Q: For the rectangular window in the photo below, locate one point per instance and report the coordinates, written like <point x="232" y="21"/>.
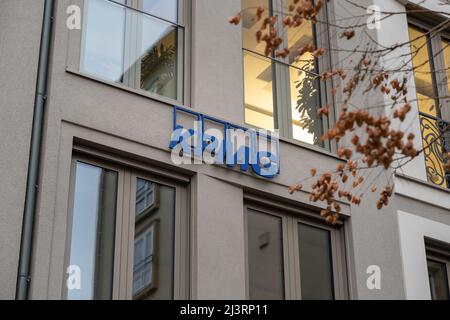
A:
<point x="293" y="258"/>
<point x="438" y="262"/>
<point x="138" y="44"/>
<point x="282" y="93"/>
<point x="429" y="59"/>
<point x="122" y="239"/>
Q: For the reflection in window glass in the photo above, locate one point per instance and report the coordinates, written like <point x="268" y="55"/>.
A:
<point x="250" y="25"/>
<point x="316" y="272"/>
<point x="166" y="9"/>
<point x="104" y="39"/>
<point x="145" y="195"/>
<point x="437" y="273"/>
<point x="158" y="58"/>
<point x="93" y="231"/>
<point x="153" y="259"/>
<point x="422" y="73"/>
<point x="258" y="83"/>
<point x="144" y="252"/>
<point x="265" y="257"/>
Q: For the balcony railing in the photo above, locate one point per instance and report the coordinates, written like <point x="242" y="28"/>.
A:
<point x="436" y="141"/>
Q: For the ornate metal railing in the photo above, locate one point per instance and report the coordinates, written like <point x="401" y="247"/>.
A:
<point x="436" y="141"/>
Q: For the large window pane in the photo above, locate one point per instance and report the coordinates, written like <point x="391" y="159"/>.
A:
<point x="166" y="9"/>
<point x="265" y="257"/>
<point x="258" y="83"/>
<point x="158" y="58"/>
<point x="153" y="261"/>
<point x="316" y="272"/>
<point x="93" y="231"/>
<point x="437" y="273"/>
<point x="422" y="72"/>
<point x="104" y="40"/>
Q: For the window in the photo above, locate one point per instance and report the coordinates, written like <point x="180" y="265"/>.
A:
<point x="438" y="262"/>
<point x="293" y="258"/>
<point x="138" y="44"/>
<point x="122" y="238"/>
<point x="283" y="94"/>
<point x="430" y="59"/>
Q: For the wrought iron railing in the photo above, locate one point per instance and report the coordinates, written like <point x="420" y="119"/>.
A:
<point x="436" y="141"/>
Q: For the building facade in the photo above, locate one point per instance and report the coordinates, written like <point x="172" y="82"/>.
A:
<point x="115" y="218"/>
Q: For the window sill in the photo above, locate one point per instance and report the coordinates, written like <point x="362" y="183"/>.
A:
<point x="141" y="93"/>
<point x="310" y="147"/>
<point x="422" y="191"/>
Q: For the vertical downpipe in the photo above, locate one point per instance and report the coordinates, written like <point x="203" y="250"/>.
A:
<point x="32" y="187"/>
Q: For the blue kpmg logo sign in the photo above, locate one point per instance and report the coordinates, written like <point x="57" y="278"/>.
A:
<point x="199" y="139"/>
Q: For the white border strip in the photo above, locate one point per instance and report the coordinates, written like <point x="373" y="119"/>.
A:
<point x="412" y="231"/>
<point x="422" y="192"/>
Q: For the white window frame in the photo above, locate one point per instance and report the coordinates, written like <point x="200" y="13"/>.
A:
<point x="75" y="51"/>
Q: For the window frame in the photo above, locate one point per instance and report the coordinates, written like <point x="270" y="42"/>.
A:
<point x="438" y="252"/>
<point x="281" y="83"/>
<point x="122" y="286"/>
<point x="75" y="51"/>
<point x="291" y="255"/>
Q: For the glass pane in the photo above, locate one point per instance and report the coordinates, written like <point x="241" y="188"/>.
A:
<point x="437" y="273"/>
<point x="145" y="195"/>
<point x="258" y="83"/>
<point x="93" y="232"/>
<point x="158" y="58"/>
<point x="103" y="40"/>
<point x="299" y="37"/>
<point x="422" y="72"/>
<point x="446" y="48"/>
<point x="250" y="25"/>
<point x="316" y="272"/>
<point x="166" y="9"/>
<point x="307" y="126"/>
<point x="153" y="261"/>
<point x="265" y="257"/>
<point x="305" y="97"/>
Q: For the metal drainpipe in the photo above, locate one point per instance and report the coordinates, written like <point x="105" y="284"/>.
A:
<point x="32" y="187"/>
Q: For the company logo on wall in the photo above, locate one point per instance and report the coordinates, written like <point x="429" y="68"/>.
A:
<point x="201" y="139"/>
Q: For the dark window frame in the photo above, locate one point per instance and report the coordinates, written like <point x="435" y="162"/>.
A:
<point x="439" y="252"/>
